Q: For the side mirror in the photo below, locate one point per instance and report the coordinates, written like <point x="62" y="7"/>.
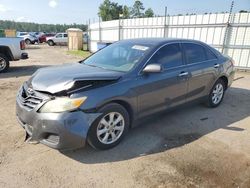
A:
<point x="152" y="68"/>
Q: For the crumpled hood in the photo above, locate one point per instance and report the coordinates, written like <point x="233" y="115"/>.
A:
<point x="60" y="78"/>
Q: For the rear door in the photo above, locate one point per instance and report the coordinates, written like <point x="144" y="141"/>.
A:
<point x="158" y="91"/>
<point x="65" y="38"/>
<point x="203" y="66"/>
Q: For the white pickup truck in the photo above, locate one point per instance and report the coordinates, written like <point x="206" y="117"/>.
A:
<point x="58" y="39"/>
<point x="11" y="49"/>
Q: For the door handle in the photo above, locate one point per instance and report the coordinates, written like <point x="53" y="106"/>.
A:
<point x="183" y="74"/>
<point x="216" y="65"/>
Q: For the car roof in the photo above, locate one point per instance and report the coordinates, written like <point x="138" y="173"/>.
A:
<point x="159" y="41"/>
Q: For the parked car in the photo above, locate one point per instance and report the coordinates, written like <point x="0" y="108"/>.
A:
<point x="100" y="98"/>
<point x="28" y="38"/>
<point x="11" y="49"/>
<point x="43" y="38"/>
<point x="36" y="34"/>
<point x="58" y="39"/>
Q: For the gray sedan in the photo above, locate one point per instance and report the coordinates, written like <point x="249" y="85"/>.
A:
<point x="99" y="99"/>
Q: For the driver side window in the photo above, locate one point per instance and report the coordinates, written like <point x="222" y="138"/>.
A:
<point x="59" y="36"/>
<point x="169" y="56"/>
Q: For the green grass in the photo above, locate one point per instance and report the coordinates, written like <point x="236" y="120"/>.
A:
<point x="79" y="53"/>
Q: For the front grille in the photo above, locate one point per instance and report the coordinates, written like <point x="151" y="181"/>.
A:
<point x="29" y="100"/>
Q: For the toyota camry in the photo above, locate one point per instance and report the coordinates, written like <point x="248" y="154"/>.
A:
<point x="99" y="99"/>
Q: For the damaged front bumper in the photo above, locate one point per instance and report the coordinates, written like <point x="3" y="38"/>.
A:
<point x="67" y="130"/>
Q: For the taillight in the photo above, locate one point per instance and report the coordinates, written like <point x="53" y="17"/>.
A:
<point x="22" y="45"/>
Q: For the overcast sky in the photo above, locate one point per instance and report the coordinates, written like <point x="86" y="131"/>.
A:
<point x="79" y="11"/>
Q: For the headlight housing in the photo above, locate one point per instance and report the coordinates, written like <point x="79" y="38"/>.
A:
<point x="62" y="105"/>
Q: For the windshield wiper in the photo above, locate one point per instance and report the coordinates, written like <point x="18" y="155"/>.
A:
<point x="90" y="65"/>
<point x="103" y="68"/>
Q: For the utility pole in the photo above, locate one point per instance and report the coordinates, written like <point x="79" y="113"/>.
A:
<point x="165" y="23"/>
<point x="100" y="31"/>
<point x="89" y="37"/>
<point x="228" y="30"/>
<point x="120" y="27"/>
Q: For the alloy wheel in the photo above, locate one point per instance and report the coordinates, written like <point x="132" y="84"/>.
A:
<point x="110" y="128"/>
<point x="28" y="42"/>
<point x="2" y="64"/>
<point x="217" y="93"/>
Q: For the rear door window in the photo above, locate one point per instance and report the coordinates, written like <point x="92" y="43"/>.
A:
<point x="169" y="56"/>
<point x="194" y="53"/>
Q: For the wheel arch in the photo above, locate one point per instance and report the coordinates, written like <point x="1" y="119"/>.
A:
<point x="51" y="40"/>
<point x="225" y="80"/>
<point x="7" y="52"/>
<point x="124" y="104"/>
<point x="27" y="39"/>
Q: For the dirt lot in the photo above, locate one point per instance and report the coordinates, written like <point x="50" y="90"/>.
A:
<point x="191" y="147"/>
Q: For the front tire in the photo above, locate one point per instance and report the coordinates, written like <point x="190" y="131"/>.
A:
<point x="51" y="43"/>
<point x="216" y="94"/>
<point x="4" y="63"/>
<point x="109" y="129"/>
<point x="28" y="41"/>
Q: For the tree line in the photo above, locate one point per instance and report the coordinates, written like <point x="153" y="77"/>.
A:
<point x="111" y="11"/>
<point x="108" y="10"/>
<point x="31" y="27"/>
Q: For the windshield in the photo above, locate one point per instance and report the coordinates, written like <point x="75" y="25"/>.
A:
<point x="22" y="34"/>
<point x="120" y="56"/>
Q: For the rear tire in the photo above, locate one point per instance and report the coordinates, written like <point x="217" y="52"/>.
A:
<point x="4" y="63"/>
<point x="109" y="129"/>
<point x="216" y="94"/>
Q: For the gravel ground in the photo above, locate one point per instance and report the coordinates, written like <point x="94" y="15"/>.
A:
<point x="191" y="147"/>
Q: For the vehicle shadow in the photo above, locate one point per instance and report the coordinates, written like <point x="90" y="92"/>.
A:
<point x="173" y="129"/>
<point x="18" y="71"/>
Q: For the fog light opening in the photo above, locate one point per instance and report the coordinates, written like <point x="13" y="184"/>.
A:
<point x="52" y="138"/>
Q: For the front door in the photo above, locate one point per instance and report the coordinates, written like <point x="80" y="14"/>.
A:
<point x="168" y="88"/>
<point x="58" y="38"/>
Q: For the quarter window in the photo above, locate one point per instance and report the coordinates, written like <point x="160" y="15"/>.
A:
<point x="210" y="55"/>
<point x="168" y="56"/>
<point x="59" y="36"/>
